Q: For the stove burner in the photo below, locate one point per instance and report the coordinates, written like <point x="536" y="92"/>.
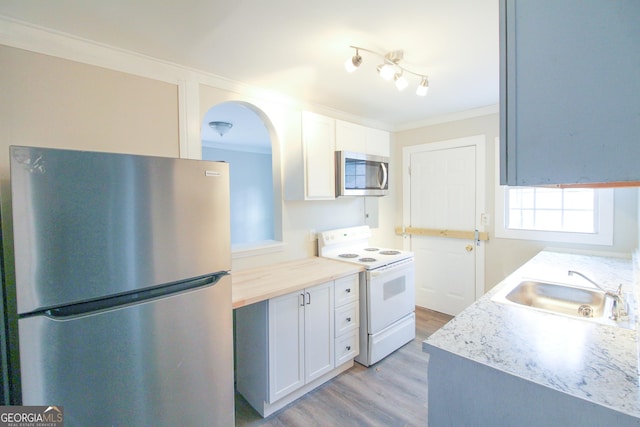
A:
<point x="367" y="260"/>
<point x="371" y="249"/>
<point x="390" y="252"/>
<point x="348" y="255"/>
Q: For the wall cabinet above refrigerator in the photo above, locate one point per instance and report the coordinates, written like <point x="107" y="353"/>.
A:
<point x="569" y="92"/>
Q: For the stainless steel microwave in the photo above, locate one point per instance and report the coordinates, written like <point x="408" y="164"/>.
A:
<point x="359" y="174"/>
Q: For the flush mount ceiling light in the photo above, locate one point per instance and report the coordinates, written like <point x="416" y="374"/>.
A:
<point x="389" y="69"/>
<point x="221" y="127"/>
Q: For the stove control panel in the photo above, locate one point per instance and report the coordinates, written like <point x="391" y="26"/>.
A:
<point x="345" y="235"/>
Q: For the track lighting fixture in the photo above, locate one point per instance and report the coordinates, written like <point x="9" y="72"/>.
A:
<point x="389" y="69"/>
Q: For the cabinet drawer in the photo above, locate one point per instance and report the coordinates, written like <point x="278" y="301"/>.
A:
<point x="346" y="318"/>
<point x="346" y="289"/>
<point x="347" y="347"/>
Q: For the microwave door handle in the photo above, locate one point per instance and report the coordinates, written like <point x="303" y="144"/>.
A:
<point x="382" y="183"/>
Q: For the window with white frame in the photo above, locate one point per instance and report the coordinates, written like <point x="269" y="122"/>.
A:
<point x="563" y="215"/>
<point x="552" y="209"/>
<point x="569" y="215"/>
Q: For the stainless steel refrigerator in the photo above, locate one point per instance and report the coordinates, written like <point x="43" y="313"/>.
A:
<point x="123" y="292"/>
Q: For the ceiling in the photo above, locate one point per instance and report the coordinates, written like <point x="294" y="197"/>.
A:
<point x="298" y="48"/>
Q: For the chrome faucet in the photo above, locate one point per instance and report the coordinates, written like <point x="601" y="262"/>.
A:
<point x="619" y="308"/>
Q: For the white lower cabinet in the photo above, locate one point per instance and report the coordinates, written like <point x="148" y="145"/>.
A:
<point x="287" y="346"/>
<point x="300" y="339"/>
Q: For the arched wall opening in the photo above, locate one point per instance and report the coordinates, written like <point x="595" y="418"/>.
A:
<point x="251" y="148"/>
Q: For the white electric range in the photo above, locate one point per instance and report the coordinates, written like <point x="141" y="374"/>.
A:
<point x="387" y="290"/>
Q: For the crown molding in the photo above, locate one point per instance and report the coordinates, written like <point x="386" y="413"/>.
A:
<point x="27" y="36"/>
<point x="462" y="115"/>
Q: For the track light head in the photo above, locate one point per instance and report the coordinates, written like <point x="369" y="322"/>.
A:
<point x="401" y="82"/>
<point x="386" y="71"/>
<point x="353" y="63"/>
<point x="423" y="87"/>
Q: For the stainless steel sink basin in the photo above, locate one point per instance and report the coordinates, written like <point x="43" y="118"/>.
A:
<point x="584" y="303"/>
<point x="559" y="298"/>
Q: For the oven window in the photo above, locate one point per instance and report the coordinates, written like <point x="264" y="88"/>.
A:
<point x="393" y="287"/>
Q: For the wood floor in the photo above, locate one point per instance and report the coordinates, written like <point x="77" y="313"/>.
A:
<point x="392" y="392"/>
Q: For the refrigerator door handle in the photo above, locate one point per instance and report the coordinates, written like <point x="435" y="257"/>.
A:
<point x="129" y="298"/>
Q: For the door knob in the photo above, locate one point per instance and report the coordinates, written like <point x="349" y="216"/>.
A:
<point x="469" y="247"/>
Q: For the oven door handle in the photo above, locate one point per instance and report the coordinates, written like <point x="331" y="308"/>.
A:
<point x="390" y="268"/>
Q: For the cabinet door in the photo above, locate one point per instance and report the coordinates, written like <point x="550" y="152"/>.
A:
<point x="569" y="91"/>
<point x="286" y="345"/>
<point x="319" y="325"/>
<point x="318" y="136"/>
<point x="350" y="137"/>
<point x="377" y="142"/>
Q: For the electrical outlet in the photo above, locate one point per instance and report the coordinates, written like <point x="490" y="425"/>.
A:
<point x="484" y="219"/>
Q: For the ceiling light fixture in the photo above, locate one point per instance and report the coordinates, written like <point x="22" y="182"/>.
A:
<point x="221" y="127"/>
<point x="389" y="69"/>
<point x="353" y="63"/>
<point x="401" y="82"/>
<point x="423" y="87"/>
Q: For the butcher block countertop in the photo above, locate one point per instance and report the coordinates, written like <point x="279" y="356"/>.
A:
<point x="263" y="283"/>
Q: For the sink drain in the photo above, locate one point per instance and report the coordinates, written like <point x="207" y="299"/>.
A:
<point x="585" y="310"/>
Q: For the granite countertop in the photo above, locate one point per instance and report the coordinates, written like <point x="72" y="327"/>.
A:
<point x="591" y="361"/>
<point x="262" y="283"/>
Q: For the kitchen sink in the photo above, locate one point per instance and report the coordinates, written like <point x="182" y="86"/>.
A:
<point x="573" y="301"/>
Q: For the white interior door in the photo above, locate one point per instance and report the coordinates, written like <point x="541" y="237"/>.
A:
<point x="444" y="190"/>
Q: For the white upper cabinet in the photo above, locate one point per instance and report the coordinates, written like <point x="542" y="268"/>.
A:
<point x="310" y="158"/>
<point x="309" y="155"/>
<point x="361" y="139"/>
<point x="319" y="142"/>
<point x="569" y="92"/>
<point x="350" y="137"/>
<point x="377" y="142"/>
